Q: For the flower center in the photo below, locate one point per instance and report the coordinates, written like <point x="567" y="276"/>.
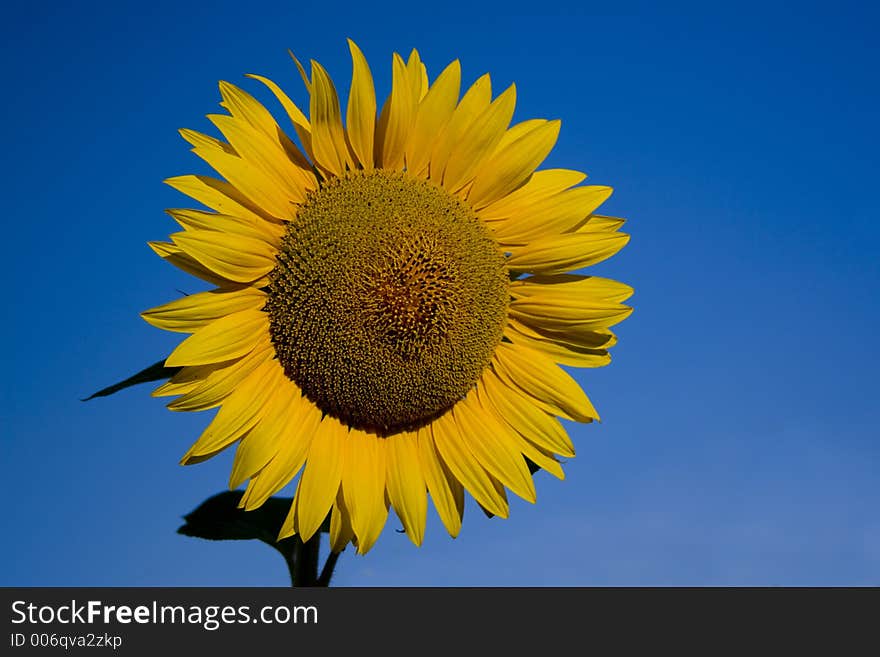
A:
<point x="387" y="300"/>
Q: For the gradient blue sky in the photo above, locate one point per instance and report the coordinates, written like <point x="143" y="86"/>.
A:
<point x="739" y="443"/>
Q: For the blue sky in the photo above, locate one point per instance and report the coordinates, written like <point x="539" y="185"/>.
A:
<point x="739" y="442"/>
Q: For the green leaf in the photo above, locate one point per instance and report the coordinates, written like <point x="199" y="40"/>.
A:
<point x="220" y="519"/>
<point x="155" y="372"/>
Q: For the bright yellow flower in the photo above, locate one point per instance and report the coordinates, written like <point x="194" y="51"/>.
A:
<point x="391" y="301"/>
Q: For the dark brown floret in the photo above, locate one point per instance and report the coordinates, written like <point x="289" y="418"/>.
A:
<point x="387" y="301"/>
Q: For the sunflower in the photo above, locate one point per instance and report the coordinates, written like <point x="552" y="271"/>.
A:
<point x="392" y="300"/>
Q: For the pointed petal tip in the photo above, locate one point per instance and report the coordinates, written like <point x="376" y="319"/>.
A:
<point x="236" y="479"/>
<point x="306" y="534"/>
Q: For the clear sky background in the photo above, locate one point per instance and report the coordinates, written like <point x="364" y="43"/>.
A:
<point x="739" y="442"/>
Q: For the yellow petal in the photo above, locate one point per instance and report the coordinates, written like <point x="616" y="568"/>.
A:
<point x="302" y="72"/>
<point x="269" y="232"/>
<point x="363" y="486"/>
<point x="328" y="136"/>
<point x="395" y="122"/>
<point x="169" y="389"/>
<point x="433" y="113"/>
<point x="320" y="479"/>
<point x="341" y="531"/>
<point x="543" y="459"/>
<point x="175" y="255"/>
<point x="461" y="461"/>
<point x="566" y="316"/>
<point x="572" y="285"/>
<point x="446" y="491"/>
<point x="474" y="103"/>
<point x="220" y="383"/>
<point x="426" y="83"/>
<point x="587" y="338"/>
<point x="525" y="417"/>
<point x="192" y="312"/>
<point x="559" y="311"/>
<point x="294" y="440"/>
<point x="361" y="115"/>
<point x="512" y="165"/>
<point x="205" y="143"/>
<point x="516" y="131"/>
<point x="499" y="490"/>
<point x="600" y="223"/>
<point x="543" y="380"/>
<point x="406" y="484"/>
<point x="234" y="257"/>
<point x="185" y="380"/>
<point x="244" y="175"/>
<point x="297" y="118"/>
<point x="540" y="186"/>
<point x="267" y="155"/>
<point x="218" y="195"/>
<point x="229" y="337"/>
<point x="562" y="253"/>
<point x="479" y="140"/>
<point x="239" y="412"/>
<point x="560" y="213"/>
<point x="488" y="441"/>
<point x="417" y="75"/>
<point x="518" y="440"/>
<point x="188" y="379"/>
<point x="263" y="442"/>
<point x="244" y="106"/>
<point x="560" y="352"/>
<point x="247" y="108"/>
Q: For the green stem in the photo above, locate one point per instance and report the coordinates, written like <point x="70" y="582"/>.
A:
<point x="304" y="566"/>
<point x="327" y="571"/>
<point x="287" y="553"/>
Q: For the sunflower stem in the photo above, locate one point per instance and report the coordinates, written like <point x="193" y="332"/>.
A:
<point x="303" y="564"/>
<point x="291" y="563"/>
<point x="327" y="570"/>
